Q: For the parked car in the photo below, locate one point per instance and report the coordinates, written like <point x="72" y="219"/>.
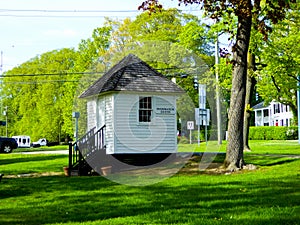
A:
<point x="7" y="144"/>
<point x="22" y="140"/>
<point x="39" y="143"/>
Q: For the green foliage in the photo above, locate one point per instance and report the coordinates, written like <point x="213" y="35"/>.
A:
<point x="278" y="79"/>
<point x="183" y="140"/>
<point x="93" y="51"/>
<point x="37" y="94"/>
<point x="273" y="133"/>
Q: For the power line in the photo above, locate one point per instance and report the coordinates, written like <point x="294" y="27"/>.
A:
<point x="45" y="13"/>
<point x="15" y="13"/>
<point x="50" y="74"/>
<point x="45" y="16"/>
<point x="81" y="11"/>
<point x="41" y="81"/>
<point x="93" y="73"/>
<point x="68" y="11"/>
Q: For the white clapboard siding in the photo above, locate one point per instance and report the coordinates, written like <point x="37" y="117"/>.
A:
<point x="101" y="111"/>
<point x="91" y="114"/>
<point x="159" y="136"/>
<point x="109" y="129"/>
<point x="170" y="143"/>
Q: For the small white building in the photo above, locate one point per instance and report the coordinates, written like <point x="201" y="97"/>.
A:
<point x="137" y="105"/>
<point x="274" y="114"/>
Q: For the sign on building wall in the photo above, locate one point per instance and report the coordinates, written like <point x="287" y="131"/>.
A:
<point x="165" y="110"/>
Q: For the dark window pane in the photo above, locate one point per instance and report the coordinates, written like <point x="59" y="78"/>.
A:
<point x="145" y="109"/>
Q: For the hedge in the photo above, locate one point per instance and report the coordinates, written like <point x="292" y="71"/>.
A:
<point x="273" y="133"/>
<point x="255" y="133"/>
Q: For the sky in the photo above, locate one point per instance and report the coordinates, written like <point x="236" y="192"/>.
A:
<point x="33" y="27"/>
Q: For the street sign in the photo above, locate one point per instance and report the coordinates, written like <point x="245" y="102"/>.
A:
<point x="190" y="125"/>
<point x="202" y="96"/>
<point x="202" y="116"/>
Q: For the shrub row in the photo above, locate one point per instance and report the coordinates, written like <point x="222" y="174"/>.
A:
<point x="273" y="133"/>
<point x="255" y="133"/>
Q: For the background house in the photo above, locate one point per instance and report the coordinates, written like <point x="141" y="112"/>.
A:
<point x="274" y="114"/>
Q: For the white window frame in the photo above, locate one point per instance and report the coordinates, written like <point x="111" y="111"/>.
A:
<point x="145" y="109"/>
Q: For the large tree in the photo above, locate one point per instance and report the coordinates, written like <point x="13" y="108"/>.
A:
<point x="163" y="40"/>
<point x="264" y="13"/>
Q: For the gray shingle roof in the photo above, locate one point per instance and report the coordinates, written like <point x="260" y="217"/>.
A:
<point x="259" y="105"/>
<point x="132" y="74"/>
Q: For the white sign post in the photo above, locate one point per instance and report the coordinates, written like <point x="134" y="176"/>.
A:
<point x="190" y="126"/>
<point x="201" y="113"/>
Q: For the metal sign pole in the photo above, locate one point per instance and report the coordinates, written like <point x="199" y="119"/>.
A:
<point x="190" y="126"/>
<point x="76" y="115"/>
<point x="198" y="131"/>
<point x="206" y="133"/>
<point x="202" y="106"/>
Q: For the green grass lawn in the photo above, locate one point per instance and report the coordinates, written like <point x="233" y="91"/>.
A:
<point x="42" y="148"/>
<point x="14" y="164"/>
<point x="268" y="195"/>
<point x="257" y="147"/>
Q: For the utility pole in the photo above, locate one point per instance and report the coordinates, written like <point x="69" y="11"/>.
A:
<point x="76" y="115"/>
<point x="218" y="103"/>
<point x="5" y="114"/>
<point x="1" y="65"/>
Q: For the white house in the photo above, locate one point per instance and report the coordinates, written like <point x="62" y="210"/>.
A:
<point x="274" y="114"/>
<point x="137" y="105"/>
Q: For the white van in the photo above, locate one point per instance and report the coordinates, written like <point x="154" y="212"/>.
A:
<point x="23" y="141"/>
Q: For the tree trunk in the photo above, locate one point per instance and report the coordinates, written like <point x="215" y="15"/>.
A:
<point x="250" y="84"/>
<point x="234" y="152"/>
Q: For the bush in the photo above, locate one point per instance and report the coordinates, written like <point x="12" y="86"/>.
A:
<point x="182" y="140"/>
<point x="273" y="133"/>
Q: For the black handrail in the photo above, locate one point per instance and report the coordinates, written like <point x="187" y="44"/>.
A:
<point x="78" y="151"/>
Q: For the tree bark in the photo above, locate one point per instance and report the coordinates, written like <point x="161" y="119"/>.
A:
<point x="250" y="84"/>
<point x="234" y="153"/>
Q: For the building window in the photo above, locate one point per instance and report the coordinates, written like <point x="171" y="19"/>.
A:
<point x="145" y="109"/>
<point x="266" y="112"/>
<point x="276" y="108"/>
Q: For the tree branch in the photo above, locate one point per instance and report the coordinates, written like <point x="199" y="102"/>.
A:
<point x="274" y="82"/>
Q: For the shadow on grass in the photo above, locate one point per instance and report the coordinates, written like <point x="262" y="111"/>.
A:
<point x="7" y="161"/>
<point x="179" y="200"/>
<point x="262" y="160"/>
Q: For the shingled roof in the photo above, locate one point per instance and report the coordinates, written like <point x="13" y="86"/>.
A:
<point x="259" y="105"/>
<point x="132" y="74"/>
